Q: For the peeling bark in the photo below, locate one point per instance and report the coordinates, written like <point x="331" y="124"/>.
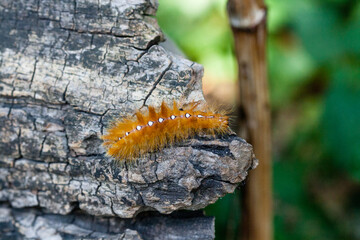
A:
<point x="69" y="68"/>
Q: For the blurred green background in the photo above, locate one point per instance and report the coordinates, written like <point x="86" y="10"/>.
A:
<point x="314" y="75"/>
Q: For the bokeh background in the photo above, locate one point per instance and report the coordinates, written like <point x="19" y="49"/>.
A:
<point x="314" y="77"/>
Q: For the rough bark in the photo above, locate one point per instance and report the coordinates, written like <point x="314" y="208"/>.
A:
<point x="35" y="224"/>
<point x="68" y="68"/>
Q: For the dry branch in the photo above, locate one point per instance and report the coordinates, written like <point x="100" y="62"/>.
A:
<point x="248" y="21"/>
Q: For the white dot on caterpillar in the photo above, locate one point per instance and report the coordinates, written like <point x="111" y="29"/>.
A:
<point x="200" y="116"/>
<point x="127" y="133"/>
<point x="138" y="127"/>
<point x="187" y="115"/>
<point x="161" y="120"/>
<point x="150" y="123"/>
<point x="172" y="117"/>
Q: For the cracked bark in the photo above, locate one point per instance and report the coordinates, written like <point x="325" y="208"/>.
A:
<point x="68" y="68"/>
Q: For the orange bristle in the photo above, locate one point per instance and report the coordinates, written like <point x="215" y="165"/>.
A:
<point x="130" y="138"/>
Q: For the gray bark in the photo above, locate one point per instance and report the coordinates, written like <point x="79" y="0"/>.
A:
<point x="35" y="224"/>
<point x="68" y="68"/>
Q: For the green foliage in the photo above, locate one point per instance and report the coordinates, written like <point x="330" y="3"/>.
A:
<point x="341" y="120"/>
<point x="314" y="76"/>
<point x="200" y="28"/>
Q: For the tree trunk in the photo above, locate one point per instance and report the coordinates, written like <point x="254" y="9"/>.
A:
<point x="68" y="68"/>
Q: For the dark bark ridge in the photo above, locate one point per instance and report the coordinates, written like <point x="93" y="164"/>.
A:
<point x="67" y="69"/>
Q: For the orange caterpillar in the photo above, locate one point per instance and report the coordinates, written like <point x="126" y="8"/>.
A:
<point x="130" y="138"/>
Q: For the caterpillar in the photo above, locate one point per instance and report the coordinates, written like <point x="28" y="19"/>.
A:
<point x="129" y="138"/>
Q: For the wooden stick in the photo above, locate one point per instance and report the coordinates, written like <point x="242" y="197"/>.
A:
<point x="248" y="22"/>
